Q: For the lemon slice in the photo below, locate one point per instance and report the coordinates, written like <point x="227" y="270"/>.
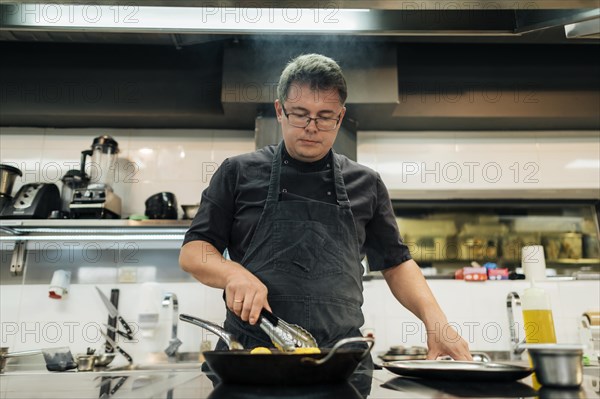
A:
<point x="261" y="350"/>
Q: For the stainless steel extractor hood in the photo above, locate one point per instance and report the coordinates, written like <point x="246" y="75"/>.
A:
<point x="375" y="18"/>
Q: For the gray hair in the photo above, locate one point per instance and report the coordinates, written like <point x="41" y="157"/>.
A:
<point x="316" y="70"/>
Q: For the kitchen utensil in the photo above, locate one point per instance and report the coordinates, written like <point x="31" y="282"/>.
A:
<point x="116" y="331"/>
<point x="85" y="362"/>
<point x="161" y="206"/>
<point x="33" y="201"/>
<point x="456" y="370"/>
<point x="57" y="359"/>
<point x="239" y="366"/>
<point x="117" y="347"/>
<point x="189" y="211"/>
<point x="112" y="321"/>
<point x="119" y="384"/>
<point x="115" y="313"/>
<point x="8" y="175"/>
<point x="285" y="336"/>
<point x="104" y="359"/>
<point x="557" y="365"/>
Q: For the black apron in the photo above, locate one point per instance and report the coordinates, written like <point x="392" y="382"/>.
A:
<point x="307" y="254"/>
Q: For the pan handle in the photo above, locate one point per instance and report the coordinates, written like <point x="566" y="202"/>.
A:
<point x="317" y="362"/>
<point x="228" y="338"/>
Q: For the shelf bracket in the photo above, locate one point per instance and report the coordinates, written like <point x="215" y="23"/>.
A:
<point x="17" y="262"/>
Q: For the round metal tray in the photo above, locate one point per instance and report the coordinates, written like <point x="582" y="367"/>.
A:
<point x="456" y="370"/>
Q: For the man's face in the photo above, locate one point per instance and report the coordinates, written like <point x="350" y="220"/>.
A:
<point x="309" y="144"/>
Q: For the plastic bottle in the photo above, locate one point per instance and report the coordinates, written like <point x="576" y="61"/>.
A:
<point x="537" y="316"/>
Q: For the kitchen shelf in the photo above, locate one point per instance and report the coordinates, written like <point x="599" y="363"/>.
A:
<point x="98" y="229"/>
<point x="582" y="261"/>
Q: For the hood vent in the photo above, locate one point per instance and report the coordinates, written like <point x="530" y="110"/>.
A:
<point x="372" y="18"/>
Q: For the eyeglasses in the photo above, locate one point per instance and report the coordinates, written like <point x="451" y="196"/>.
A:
<point x="304" y="120"/>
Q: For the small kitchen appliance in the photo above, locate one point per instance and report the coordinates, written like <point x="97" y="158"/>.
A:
<point x="97" y="200"/>
<point x="33" y="201"/>
<point x="161" y="206"/>
<point x="8" y="175"/>
<point x="72" y="180"/>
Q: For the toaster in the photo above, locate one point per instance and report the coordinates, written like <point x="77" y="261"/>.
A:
<point x="33" y="201"/>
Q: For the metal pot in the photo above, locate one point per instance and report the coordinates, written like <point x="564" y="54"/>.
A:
<point x="557" y="365"/>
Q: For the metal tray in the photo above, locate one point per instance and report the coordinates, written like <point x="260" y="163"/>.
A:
<point x="454" y="370"/>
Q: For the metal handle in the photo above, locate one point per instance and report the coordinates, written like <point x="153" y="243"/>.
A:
<point x="228" y="338"/>
<point x="317" y="362"/>
<point x="21" y="353"/>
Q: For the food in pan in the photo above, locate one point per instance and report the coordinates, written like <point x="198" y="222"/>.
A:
<point x="306" y="351"/>
<point x="261" y="350"/>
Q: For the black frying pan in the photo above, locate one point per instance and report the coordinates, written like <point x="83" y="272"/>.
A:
<point x="239" y="366"/>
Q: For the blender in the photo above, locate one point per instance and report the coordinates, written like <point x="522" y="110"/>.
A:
<point x="97" y="200"/>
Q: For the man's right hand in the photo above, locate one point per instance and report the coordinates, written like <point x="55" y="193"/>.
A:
<point x="246" y="295"/>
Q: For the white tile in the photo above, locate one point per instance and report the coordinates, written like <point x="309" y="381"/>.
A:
<point x="570" y="169"/>
<point x="69" y="140"/>
<point x="170" y="157"/>
<point x="568" y="142"/>
<point x="10" y="308"/>
<point x="228" y="143"/>
<point x="134" y="195"/>
<point x="21" y="138"/>
<point x="489" y="144"/>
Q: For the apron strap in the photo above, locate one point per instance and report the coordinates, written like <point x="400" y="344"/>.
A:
<point x="273" y="193"/>
<point x="340" y="187"/>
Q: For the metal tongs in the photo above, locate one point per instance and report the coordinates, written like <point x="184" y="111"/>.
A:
<point x="285" y="336"/>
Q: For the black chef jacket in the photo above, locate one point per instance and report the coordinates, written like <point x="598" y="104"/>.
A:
<point x="232" y="203"/>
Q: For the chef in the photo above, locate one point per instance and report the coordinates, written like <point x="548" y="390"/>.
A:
<point x="297" y="219"/>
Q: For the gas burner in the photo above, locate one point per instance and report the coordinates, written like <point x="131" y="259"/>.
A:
<point x="399" y="352"/>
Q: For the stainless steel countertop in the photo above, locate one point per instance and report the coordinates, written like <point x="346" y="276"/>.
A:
<point x="193" y="383"/>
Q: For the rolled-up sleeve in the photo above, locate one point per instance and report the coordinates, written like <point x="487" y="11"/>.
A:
<point x="214" y="219"/>
<point x="383" y="244"/>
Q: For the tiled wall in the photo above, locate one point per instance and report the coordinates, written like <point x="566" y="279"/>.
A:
<point x="423" y="164"/>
